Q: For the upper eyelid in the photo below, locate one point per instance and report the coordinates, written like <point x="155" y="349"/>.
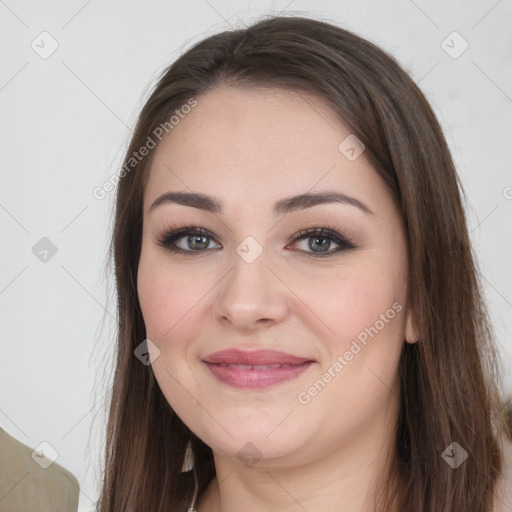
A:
<point x="319" y="230"/>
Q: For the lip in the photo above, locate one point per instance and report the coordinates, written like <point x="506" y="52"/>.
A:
<point x="254" y="357"/>
<point x="255" y="369"/>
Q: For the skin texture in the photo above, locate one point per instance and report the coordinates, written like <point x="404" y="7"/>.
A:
<point x="251" y="148"/>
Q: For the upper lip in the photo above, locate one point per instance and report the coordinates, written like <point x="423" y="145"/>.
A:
<point x="254" y="357"/>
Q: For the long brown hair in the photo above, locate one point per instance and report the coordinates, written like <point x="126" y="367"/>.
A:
<point x="449" y="379"/>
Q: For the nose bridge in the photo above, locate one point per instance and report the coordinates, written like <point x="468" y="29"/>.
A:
<point x="250" y="293"/>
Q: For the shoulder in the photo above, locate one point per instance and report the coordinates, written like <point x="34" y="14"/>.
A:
<point x="504" y="487"/>
<point x="37" y="478"/>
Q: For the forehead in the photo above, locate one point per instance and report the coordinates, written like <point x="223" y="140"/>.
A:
<point x="259" y="145"/>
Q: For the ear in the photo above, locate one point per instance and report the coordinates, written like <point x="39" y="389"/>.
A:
<point x="411" y="333"/>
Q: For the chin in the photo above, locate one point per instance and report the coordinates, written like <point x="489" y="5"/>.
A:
<point x="262" y="441"/>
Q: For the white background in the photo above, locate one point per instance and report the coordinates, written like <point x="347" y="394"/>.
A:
<point x="66" y="121"/>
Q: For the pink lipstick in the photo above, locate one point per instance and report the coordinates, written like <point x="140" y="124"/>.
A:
<point x="255" y="369"/>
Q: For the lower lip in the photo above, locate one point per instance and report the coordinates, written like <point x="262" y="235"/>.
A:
<point x="255" y="378"/>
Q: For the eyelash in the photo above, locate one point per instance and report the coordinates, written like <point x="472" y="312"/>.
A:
<point x="167" y="239"/>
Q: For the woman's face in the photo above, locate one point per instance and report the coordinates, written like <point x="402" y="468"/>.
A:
<point x="335" y="308"/>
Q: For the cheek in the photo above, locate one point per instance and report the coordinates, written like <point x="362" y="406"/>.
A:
<point x="357" y="303"/>
<point x="364" y="311"/>
<point x="164" y="295"/>
<point x="174" y="300"/>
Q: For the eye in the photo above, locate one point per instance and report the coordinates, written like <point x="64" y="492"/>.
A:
<point x="187" y="240"/>
<point x="190" y="239"/>
<point x="319" y="241"/>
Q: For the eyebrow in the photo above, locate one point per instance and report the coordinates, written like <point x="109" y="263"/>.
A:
<point x="283" y="206"/>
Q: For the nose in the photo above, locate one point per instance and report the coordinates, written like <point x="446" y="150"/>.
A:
<point x="251" y="296"/>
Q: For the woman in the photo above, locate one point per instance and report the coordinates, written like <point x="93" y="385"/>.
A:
<point x="291" y="251"/>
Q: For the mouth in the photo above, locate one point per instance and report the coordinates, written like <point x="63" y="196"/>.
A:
<point x="255" y="369"/>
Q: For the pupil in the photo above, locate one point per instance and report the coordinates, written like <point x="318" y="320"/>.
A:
<point x="324" y="245"/>
<point x="198" y="238"/>
<point x="203" y="242"/>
